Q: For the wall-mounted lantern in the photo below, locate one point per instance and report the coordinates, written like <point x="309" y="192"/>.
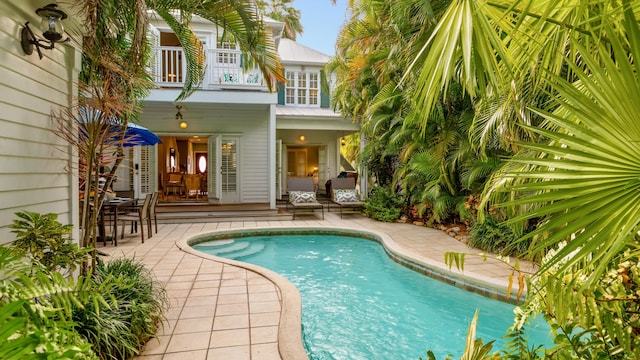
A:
<point x="52" y="30"/>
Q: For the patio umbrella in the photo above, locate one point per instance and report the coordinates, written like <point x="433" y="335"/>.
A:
<point x="135" y="135"/>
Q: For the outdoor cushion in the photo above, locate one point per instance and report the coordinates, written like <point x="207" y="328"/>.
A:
<point x="298" y="197"/>
<point x="345" y="195"/>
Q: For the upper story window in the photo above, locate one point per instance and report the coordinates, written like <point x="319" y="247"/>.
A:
<point x="302" y="88"/>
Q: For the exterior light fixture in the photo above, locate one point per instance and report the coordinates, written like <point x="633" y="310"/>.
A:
<point x="343" y="142"/>
<point x="301" y="138"/>
<point x="183" y="124"/>
<point x="52" y="30"/>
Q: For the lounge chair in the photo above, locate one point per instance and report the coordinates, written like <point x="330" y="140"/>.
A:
<point x="344" y="194"/>
<point x="302" y="195"/>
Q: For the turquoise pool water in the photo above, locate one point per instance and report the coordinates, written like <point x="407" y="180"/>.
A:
<point x="359" y="304"/>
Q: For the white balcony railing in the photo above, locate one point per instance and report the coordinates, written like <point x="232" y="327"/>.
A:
<point x="223" y="68"/>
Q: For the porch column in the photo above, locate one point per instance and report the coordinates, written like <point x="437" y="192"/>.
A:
<point x="272" y="155"/>
<point x="363" y="170"/>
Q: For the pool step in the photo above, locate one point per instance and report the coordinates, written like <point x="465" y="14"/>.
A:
<point x="226" y="250"/>
<point x="254" y="248"/>
<point x="231" y="249"/>
<point x="213" y="244"/>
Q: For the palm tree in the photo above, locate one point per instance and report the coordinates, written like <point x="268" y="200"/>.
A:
<point x="375" y="48"/>
<point x="570" y="74"/>
<point x="283" y="10"/>
<point x="504" y="53"/>
<point x="508" y="44"/>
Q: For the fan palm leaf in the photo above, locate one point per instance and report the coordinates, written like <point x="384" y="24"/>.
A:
<point x="585" y="180"/>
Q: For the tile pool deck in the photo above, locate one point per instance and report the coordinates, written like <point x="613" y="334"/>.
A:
<point x="219" y="310"/>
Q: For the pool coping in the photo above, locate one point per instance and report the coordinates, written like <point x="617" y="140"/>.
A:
<point x="290" y="343"/>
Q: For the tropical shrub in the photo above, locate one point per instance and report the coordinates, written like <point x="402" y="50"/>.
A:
<point x="493" y="236"/>
<point x="43" y="238"/>
<point x="383" y="204"/>
<point x="45" y="314"/>
<point x="605" y="324"/>
<point x="131" y="314"/>
<point x="35" y="311"/>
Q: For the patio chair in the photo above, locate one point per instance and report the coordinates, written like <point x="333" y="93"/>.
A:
<point x="192" y="184"/>
<point x="344" y="194"/>
<point x="152" y="211"/>
<point x="343" y="174"/>
<point x="302" y="195"/>
<point x="174" y="184"/>
<point x="141" y="215"/>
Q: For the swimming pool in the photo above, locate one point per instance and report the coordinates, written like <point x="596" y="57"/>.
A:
<point x="358" y="304"/>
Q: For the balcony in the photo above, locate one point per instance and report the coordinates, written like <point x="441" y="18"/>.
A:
<point x="223" y="69"/>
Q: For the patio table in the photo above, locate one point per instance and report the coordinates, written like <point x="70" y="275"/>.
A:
<point x="112" y="207"/>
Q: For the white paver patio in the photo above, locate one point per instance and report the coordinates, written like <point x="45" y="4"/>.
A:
<point x="222" y="311"/>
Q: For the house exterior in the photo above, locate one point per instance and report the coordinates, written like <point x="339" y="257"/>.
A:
<point x="35" y="171"/>
<point x="248" y="139"/>
<point x="243" y="140"/>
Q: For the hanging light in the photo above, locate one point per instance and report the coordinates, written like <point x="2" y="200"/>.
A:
<point x="52" y="30"/>
<point x="183" y="124"/>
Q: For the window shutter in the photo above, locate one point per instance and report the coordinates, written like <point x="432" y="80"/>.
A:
<point x="280" y="94"/>
<point x="324" y="91"/>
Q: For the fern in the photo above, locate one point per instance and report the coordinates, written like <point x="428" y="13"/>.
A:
<point x="35" y="311"/>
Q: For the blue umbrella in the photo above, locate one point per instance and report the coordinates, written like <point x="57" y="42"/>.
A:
<point x="138" y="135"/>
<point x="135" y="135"/>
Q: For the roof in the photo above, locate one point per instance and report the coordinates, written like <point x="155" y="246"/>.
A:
<point x="292" y="52"/>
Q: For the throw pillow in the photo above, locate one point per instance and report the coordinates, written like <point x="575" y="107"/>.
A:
<point x="346" y="195"/>
<point x="297" y="197"/>
<point x="335" y="193"/>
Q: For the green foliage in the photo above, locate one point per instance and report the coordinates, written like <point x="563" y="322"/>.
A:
<point x="44" y="239"/>
<point x="518" y="347"/>
<point x="35" y="310"/>
<point x="492" y="236"/>
<point x="603" y="322"/>
<point x="383" y="205"/>
<point x="45" y="315"/>
<point x="130" y="316"/>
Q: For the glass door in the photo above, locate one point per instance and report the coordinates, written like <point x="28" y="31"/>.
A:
<point x="145" y="170"/>
<point x="229" y="170"/>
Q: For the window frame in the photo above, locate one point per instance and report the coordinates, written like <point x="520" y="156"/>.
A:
<point x="299" y="90"/>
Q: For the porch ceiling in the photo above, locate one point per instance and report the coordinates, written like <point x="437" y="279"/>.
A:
<point x="162" y="109"/>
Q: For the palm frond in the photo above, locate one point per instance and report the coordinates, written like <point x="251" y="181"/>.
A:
<point x="586" y="178"/>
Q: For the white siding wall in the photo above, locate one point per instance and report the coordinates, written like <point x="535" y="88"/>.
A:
<point x="35" y="166"/>
<point x="255" y="171"/>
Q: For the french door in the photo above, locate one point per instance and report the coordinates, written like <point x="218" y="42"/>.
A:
<point x="224" y="169"/>
<point x="145" y="170"/>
